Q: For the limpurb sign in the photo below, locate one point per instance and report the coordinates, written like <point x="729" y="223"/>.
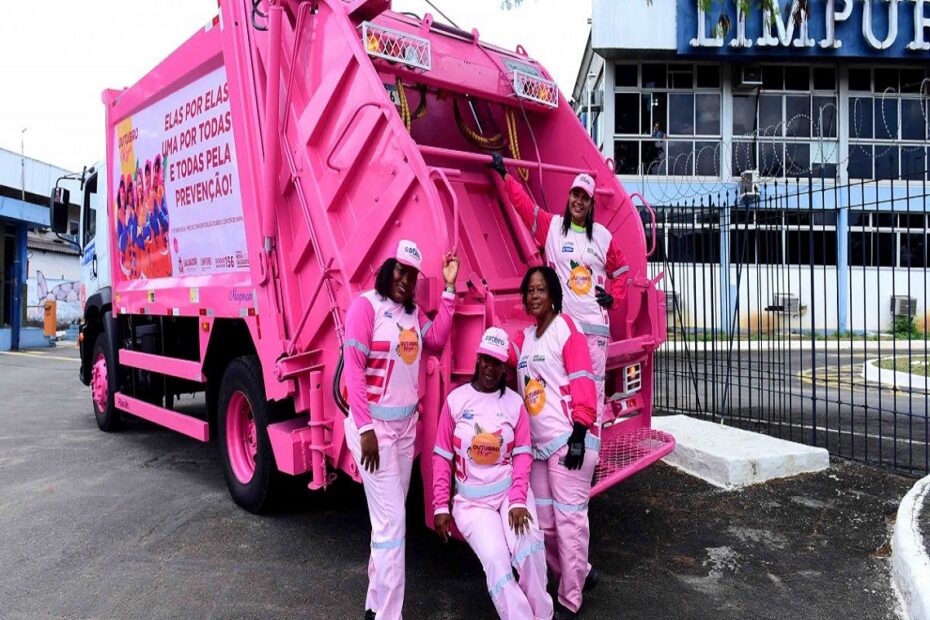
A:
<point x="826" y="28"/>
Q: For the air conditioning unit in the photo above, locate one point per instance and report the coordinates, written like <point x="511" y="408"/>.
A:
<point x="749" y="184"/>
<point x="750" y="76"/>
<point x="785" y="303"/>
<point x="902" y="305"/>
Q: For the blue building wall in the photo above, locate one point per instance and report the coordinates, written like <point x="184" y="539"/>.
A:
<point x="848" y="31"/>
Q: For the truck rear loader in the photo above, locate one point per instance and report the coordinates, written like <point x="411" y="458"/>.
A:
<point x="258" y="176"/>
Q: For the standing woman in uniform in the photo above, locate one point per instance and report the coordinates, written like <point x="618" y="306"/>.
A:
<point x="585" y="256"/>
<point x="554" y="374"/>
<point x="484" y="435"/>
<point x="385" y="331"/>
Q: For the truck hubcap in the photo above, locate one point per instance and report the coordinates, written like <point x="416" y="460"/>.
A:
<point x="241" y="437"/>
<point x="99" y="383"/>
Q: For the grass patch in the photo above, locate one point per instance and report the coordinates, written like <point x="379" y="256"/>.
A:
<point x="904" y="364"/>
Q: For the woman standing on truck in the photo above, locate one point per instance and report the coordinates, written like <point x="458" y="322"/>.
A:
<point x="484" y="430"/>
<point x="585" y="256"/>
<point x="383" y="337"/>
<point x="554" y="373"/>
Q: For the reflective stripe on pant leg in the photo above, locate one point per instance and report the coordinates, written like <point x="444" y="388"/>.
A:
<point x="528" y="556"/>
<point x="570" y="492"/>
<point x="480" y="523"/>
<point x="539" y="484"/>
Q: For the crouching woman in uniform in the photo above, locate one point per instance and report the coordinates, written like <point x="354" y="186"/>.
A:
<point x="385" y="331"/>
<point x="554" y="373"/>
<point x="484" y="434"/>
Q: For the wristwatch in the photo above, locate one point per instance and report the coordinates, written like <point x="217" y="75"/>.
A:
<point x="450" y="288"/>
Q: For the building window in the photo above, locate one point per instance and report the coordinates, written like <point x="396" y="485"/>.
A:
<point x="777" y="237"/>
<point x="885" y="239"/>
<point x="667" y="119"/>
<point x="888" y="123"/>
<point x="787" y="128"/>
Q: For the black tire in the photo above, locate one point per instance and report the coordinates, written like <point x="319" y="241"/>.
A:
<point x="263" y="490"/>
<point x="109" y="419"/>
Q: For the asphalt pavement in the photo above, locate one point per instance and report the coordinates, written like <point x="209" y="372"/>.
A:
<point x="138" y="524"/>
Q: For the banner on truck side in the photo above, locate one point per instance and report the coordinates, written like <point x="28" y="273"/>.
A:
<point x="176" y="196"/>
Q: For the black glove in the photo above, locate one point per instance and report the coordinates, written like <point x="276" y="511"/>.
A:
<point x="603" y="298"/>
<point x="575" y="456"/>
<point x="497" y="163"/>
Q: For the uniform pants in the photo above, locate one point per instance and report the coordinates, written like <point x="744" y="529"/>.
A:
<point x="485" y="525"/>
<point x="597" y="346"/>
<point x="386" y="492"/>
<point x="562" y="505"/>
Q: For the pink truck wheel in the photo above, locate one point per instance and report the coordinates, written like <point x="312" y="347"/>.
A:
<point x="241" y="439"/>
<point x="99" y="382"/>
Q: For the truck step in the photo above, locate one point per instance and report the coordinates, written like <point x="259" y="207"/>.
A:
<point x="184" y="424"/>
<point x="625" y="451"/>
<point x="171" y="366"/>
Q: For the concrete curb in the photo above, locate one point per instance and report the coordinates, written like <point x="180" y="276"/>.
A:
<point x="910" y="566"/>
<point x="732" y="458"/>
<point x="871" y="371"/>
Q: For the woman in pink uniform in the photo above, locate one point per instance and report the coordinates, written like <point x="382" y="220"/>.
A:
<point x="484" y="430"/>
<point x="585" y="256"/>
<point x="554" y="373"/>
<point x="384" y="334"/>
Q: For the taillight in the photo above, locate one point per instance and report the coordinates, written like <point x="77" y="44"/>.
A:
<point x="632" y="378"/>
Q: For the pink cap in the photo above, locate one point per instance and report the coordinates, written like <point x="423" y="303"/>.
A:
<point x="586" y="182"/>
<point x="409" y="254"/>
<point x="494" y="342"/>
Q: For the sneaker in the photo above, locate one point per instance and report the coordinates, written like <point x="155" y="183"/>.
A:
<point x="561" y="612"/>
<point x="369" y="614"/>
<point x="591" y="581"/>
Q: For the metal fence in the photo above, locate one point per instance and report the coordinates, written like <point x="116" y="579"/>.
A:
<point x="800" y="310"/>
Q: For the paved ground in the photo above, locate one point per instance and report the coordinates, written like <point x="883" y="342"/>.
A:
<point x="797" y="395"/>
<point x="139" y="525"/>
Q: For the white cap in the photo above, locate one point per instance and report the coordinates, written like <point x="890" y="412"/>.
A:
<point x="585" y="182"/>
<point x="409" y="254"/>
<point x="494" y="342"/>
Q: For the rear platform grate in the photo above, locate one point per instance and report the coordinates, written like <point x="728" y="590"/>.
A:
<point x="623" y="453"/>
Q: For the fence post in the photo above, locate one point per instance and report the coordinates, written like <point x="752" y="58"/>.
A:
<point x="726" y="304"/>
<point x="842" y="266"/>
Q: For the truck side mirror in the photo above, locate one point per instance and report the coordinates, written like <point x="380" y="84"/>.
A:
<point x="58" y="210"/>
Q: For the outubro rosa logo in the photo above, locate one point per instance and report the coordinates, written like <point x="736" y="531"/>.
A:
<point x="534" y="394"/>
<point x="408" y="344"/>
<point x="579" y="280"/>
<point x="485" y="447"/>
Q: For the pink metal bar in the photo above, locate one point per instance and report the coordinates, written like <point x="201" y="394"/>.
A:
<point x="184" y="424"/>
<point x="652" y="219"/>
<point x="292" y="345"/>
<point x="441" y="175"/>
<point x="272" y="141"/>
<point x="486" y="159"/>
<point x="171" y="366"/>
<point x="317" y="424"/>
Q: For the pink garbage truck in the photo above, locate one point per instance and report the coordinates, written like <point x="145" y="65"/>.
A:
<point x="258" y="176"/>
